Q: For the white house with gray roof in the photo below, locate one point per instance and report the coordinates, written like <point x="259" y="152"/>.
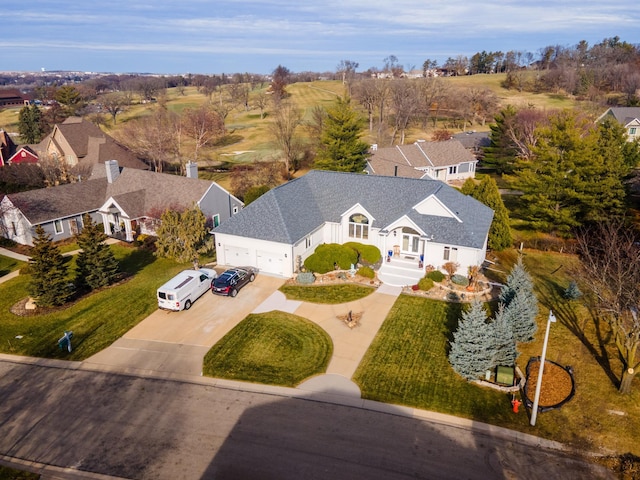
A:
<point x="413" y="219"/>
<point x="448" y="161"/>
<point x="628" y="117"/>
<point x="125" y="200"/>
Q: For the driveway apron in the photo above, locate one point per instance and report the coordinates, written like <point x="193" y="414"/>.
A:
<point x="176" y="342"/>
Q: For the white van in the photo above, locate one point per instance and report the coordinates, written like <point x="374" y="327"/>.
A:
<point x="185" y="288"/>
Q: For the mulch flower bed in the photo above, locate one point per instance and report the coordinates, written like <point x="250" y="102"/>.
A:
<point x="557" y="384"/>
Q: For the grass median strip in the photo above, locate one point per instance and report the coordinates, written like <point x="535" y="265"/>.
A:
<point x="328" y="294"/>
<point x="274" y="348"/>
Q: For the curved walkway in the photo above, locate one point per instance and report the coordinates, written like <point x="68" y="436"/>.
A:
<point x="349" y="344"/>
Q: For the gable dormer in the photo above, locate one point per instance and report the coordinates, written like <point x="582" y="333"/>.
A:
<point x="433" y="206"/>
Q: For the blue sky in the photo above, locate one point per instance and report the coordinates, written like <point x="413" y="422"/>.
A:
<point x="205" y="36"/>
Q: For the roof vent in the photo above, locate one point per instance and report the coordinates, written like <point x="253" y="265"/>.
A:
<point x="192" y="170"/>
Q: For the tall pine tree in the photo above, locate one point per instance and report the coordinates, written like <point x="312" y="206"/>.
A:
<point x="487" y="192"/>
<point x="30" y="124"/>
<point x="341" y="148"/>
<point x="520" y="302"/>
<point x="473" y="347"/>
<point x="96" y="265"/>
<point x="49" y="284"/>
<point x="504" y="342"/>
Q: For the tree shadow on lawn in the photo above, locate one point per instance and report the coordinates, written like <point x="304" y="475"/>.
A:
<point x="551" y="295"/>
<point x="135" y="261"/>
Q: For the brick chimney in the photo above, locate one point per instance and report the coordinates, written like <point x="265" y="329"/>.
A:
<point x="113" y="171"/>
<point x="192" y="170"/>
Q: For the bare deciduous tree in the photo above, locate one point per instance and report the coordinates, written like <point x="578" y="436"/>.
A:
<point x="114" y="103"/>
<point x="204" y="125"/>
<point x="287" y="119"/>
<point x="610" y="260"/>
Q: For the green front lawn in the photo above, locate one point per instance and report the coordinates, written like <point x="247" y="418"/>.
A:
<point x="96" y="320"/>
<point x="8" y="473"/>
<point x="328" y="294"/>
<point x="8" y="265"/>
<point x="407" y="365"/>
<point x="274" y="348"/>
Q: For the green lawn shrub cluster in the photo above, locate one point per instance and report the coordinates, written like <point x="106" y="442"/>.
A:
<point x="325" y="257"/>
<point x="366" y="272"/>
<point x="436" y="275"/>
<point x="460" y="280"/>
<point x="368" y="253"/>
<point x="425" y="284"/>
<point x="306" y="278"/>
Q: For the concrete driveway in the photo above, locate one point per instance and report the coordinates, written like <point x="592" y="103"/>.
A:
<point x="174" y="343"/>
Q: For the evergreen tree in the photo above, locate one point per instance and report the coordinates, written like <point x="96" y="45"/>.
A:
<point x="504" y="342"/>
<point x="572" y="292"/>
<point x="501" y="153"/>
<point x="341" y="147"/>
<point x="181" y="236"/>
<point x="30" y="124"/>
<point x="473" y="347"/>
<point x="48" y="285"/>
<point x="96" y="265"/>
<point x="487" y="192"/>
<point x="520" y="303"/>
<point x="577" y="174"/>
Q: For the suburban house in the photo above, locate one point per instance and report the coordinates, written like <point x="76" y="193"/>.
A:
<point x="628" y="117"/>
<point x="127" y="201"/>
<point x="474" y="141"/>
<point x="448" y="161"/>
<point x="415" y="223"/>
<point x="12" y="98"/>
<point x="81" y="144"/>
<point x="10" y="153"/>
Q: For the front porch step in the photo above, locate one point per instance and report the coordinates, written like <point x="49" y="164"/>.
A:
<point x="400" y="272"/>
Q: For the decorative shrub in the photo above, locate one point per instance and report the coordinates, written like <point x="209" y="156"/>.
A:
<point x="7" y="242"/>
<point x="460" y="280"/>
<point x="436" y="275"/>
<point x="306" y="278"/>
<point x="425" y="284"/>
<point x="328" y="254"/>
<point x="572" y="292"/>
<point x="366" y="272"/>
<point x="26" y="270"/>
<point x="368" y="253"/>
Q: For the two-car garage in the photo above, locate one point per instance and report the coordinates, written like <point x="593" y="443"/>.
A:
<point x="272" y="262"/>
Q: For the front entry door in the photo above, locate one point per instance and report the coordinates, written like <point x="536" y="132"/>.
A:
<point x="410" y="243"/>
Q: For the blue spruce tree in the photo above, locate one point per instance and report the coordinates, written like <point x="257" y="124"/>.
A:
<point x="504" y="343"/>
<point x="521" y="302"/>
<point x="472" y="350"/>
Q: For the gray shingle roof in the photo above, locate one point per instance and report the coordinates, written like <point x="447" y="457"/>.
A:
<point x="624" y="115"/>
<point x="138" y="192"/>
<point x="288" y="213"/>
<point x="419" y="155"/>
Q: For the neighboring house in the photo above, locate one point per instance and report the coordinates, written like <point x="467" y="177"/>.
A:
<point x="7" y="148"/>
<point x="628" y="117"/>
<point x="126" y="201"/>
<point x="12" y="98"/>
<point x="414" y="219"/>
<point x="474" y="141"/>
<point x="448" y="161"/>
<point x="81" y="144"/>
<point x="24" y="154"/>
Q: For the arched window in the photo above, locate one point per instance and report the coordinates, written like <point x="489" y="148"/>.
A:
<point x="358" y="226"/>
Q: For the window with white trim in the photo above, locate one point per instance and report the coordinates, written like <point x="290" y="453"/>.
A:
<point x="450" y="254"/>
<point x="235" y="209"/>
<point x="216" y="219"/>
<point x="453" y="169"/>
<point x="632" y="131"/>
<point x="308" y="242"/>
<point x="57" y="227"/>
<point x="358" y="226"/>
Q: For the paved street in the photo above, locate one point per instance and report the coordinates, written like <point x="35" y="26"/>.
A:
<point x="143" y="428"/>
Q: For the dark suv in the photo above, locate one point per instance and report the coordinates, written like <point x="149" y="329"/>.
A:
<point x="232" y="280"/>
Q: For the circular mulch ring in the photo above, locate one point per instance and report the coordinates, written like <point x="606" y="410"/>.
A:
<point x="558" y="384"/>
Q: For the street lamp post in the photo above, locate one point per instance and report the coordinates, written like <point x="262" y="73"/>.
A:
<point x="534" y="409"/>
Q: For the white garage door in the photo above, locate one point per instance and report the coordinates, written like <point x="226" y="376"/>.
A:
<point x="270" y="263"/>
<point x="237" y="256"/>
